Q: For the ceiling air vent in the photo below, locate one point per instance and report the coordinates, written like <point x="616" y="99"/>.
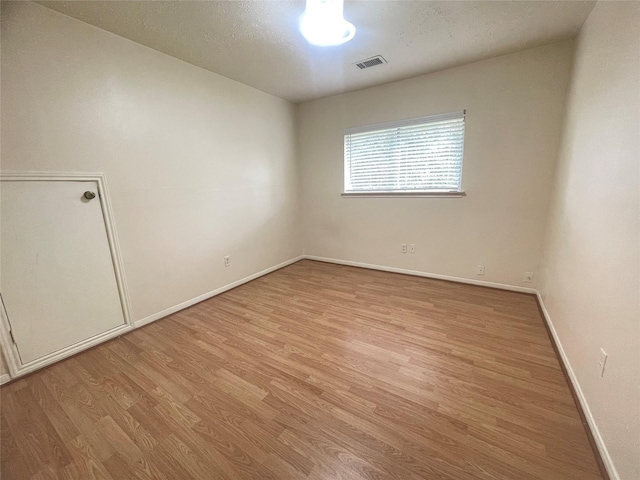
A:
<point x="370" y="62"/>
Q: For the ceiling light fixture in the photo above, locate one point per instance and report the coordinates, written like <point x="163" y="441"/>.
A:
<point x="323" y="24"/>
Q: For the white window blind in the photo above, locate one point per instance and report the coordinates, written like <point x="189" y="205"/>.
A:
<point x="419" y="155"/>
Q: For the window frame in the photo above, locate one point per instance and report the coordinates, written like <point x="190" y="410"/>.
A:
<point x="404" y="123"/>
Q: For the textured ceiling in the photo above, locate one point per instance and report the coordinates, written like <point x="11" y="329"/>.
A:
<point x="258" y="43"/>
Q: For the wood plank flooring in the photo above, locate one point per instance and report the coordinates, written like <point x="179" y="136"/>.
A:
<point x="316" y="371"/>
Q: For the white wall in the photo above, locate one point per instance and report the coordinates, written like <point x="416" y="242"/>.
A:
<point x="199" y="166"/>
<point x="514" y="109"/>
<point x="591" y="285"/>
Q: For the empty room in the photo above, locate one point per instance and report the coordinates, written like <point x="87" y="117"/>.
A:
<point x="320" y="240"/>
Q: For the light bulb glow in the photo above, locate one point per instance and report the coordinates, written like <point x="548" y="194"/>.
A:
<point x="323" y="24"/>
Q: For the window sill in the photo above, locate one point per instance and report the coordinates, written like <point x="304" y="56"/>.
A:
<point x="406" y="194"/>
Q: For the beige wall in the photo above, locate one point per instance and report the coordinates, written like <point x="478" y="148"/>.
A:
<point x="591" y="280"/>
<point x="199" y="166"/>
<point x="514" y="109"/>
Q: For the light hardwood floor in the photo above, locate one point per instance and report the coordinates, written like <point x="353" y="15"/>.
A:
<point x="315" y="371"/>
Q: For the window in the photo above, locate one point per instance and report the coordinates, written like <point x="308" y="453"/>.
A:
<point x="407" y="157"/>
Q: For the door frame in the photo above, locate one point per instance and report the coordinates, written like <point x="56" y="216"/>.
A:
<point x="16" y="367"/>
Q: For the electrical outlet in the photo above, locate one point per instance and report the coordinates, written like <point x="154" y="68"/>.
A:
<point x="602" y="361"/>
<point x="528" y="277"/>
<point x="227" y="260"/>
<point x="412" y="248"/>
<point x="403" y="248"/>
<point x="480" y="270"/>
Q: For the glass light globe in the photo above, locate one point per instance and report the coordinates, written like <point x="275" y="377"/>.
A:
<point x="323" y="24"/>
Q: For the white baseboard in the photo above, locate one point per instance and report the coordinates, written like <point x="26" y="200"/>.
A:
<point x="602" y="448"/>
<point x="604" y="453"/>
<point x="218" y="291"/>
<point x="213" y="293"/>
<point x="54" y="357"/>
<point x="76" y="348"/>
<point x="437" y="276"/>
